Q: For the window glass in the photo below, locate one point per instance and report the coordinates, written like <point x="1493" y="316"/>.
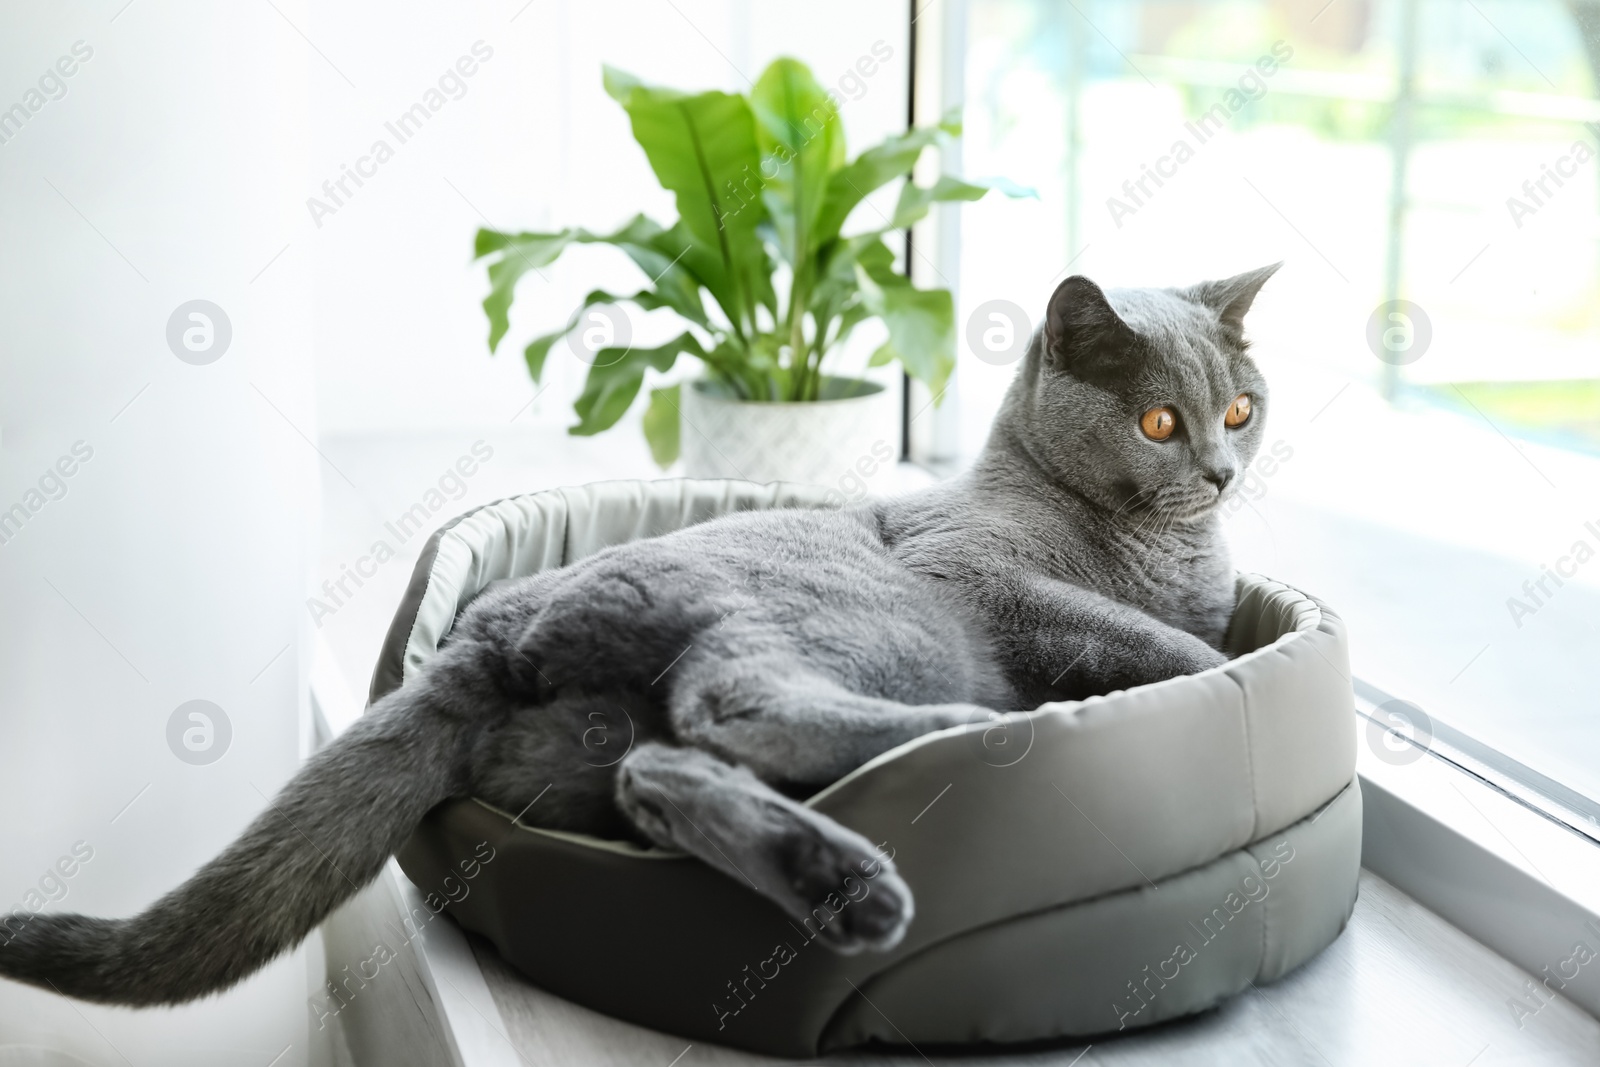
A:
<point x="1428" y="172"/>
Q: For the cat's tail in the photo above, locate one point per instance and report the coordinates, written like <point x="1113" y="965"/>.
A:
<point x="324" y="836"/>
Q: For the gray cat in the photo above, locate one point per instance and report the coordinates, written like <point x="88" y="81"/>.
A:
<point x="761" y="656"/>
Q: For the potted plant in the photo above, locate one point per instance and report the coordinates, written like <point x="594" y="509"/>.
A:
<point x="763" y="189"/>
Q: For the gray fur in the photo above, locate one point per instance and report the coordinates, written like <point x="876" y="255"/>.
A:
<point x="748" y="661"/>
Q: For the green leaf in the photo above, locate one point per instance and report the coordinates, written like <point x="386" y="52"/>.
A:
<point x="615" y="378"/>
<point x="851" y="317"/>
<point x="538" y="351"/>
<point x="703" y="150"/>
<point x="878" y="261"/>
<point x="922" y="330"/>
<point x="657" y="252"/>
<point x="836" y="282"/>
<point x="662" y="425"/>
<point x="873" y="169"/>
<point x="539" y="348"/>
<point x="679" y="267"/>
<point x="663" y="255"/>
<point x="487" y="241"/>
<point x="802" y="143"/>
<point x="520" y="253"/>
<point x="916" y="199"/>
<point x="1010" y="188"/>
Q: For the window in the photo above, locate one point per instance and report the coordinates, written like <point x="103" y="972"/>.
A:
<point x="1437" y="470"/>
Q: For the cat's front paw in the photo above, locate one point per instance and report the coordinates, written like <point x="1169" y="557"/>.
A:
<point x="1192" y="655"/>
<point x="1173" y="655"/>
<point x="849" y="897"/>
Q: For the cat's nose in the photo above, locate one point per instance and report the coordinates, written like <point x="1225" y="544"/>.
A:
<point x="1220" y="476"/>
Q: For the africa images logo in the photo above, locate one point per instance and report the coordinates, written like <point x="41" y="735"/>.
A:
<point x="52" y="485"/>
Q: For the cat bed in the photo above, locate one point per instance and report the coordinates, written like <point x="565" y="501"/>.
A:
<point x="1085" y="867"/>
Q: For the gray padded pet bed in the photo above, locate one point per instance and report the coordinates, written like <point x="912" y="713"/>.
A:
<point x="1087" y="867"/>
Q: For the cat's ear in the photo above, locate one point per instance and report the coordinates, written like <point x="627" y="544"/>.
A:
<point x="1083" y="335"/>
<point x="1231" y="297"/>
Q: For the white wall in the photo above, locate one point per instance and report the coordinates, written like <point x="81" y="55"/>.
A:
<point x="172" y="568"/>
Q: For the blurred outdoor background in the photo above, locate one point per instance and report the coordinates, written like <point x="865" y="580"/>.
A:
<point x="1378" y="160"/>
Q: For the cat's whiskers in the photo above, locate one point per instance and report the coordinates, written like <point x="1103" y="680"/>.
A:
<point x="1136" y="498"/>
<point x="1148" y="556"/>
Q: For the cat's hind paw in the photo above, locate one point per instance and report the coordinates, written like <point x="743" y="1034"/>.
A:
<point x="857" y="901"/>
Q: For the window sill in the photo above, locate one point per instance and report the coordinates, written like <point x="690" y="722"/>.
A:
<point x="1514" y="879"/>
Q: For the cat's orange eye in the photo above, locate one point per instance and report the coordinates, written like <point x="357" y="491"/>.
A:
<point x="1158" y="423"/>
<point x="1238" y="412"/>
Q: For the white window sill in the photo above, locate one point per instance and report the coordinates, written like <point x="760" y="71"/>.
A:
<point x="1512" y="878"/>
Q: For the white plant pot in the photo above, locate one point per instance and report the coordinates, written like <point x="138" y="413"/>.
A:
<point x="822" y="442"/>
